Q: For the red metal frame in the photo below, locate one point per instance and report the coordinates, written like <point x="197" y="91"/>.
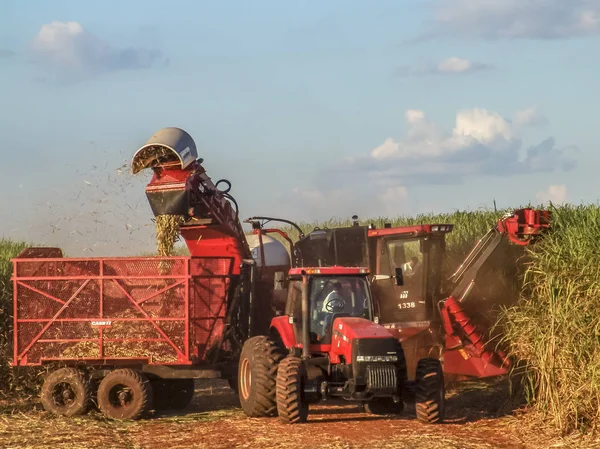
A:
<point x="329" y="271"/>
<point x="524" y="225"/>
<point x="407" y="231"/>
<point x="88" y="299"/>
<point x="472" y="358"/>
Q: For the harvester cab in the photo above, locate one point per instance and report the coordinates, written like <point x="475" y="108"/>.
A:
<point x="328" y="345"/>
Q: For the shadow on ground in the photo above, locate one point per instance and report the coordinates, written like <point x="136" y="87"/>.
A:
<point x="467" y="401"/>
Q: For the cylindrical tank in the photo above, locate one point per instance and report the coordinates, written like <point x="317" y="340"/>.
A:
<point x="276" y="255"/>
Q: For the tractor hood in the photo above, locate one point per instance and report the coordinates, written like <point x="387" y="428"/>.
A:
<point x="358" y="340"/>
<point x="355" y="328"/>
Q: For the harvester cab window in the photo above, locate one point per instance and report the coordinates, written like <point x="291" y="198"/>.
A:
<point x="406" y="254"/>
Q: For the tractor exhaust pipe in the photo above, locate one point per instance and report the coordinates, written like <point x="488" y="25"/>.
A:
<point x="305" y="318"/>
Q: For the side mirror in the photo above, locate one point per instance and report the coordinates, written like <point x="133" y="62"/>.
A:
<point x="399" y="277"/>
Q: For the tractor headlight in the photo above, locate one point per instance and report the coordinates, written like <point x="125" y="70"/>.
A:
<point x="377" y="358"/>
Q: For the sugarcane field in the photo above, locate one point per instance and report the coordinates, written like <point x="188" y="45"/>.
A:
<point x="317" y="225"/>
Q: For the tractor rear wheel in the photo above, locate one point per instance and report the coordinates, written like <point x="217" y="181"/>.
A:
<point x="125" y="394"/>
<point x="67" y="392"/>
<point x="173" y="394"/>
<point x="429" y="391"/>
<point x="257" y="374"/>
<point x="291" y="404"/>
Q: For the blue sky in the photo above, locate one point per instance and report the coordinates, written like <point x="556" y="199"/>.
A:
<point x="312" y="109"/>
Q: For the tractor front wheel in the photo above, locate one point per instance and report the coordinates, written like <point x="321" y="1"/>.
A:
<point x="429" y="391"/>
<point x="257" y="373"/>
<point x="67" y="392"/>
<point x="125" y="394"/>
<point x="291" y="404"/>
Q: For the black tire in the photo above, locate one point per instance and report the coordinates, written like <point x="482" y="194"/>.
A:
<point x="429" y="391"/>
<point x="291" y="404"/>
<point x="67" y="392"/>
<point x="125" y="394"/>
<point x="257" y="374"/>
<point x="172" y="394"/>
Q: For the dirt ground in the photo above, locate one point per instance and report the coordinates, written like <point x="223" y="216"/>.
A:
<point x="476" y="417"/>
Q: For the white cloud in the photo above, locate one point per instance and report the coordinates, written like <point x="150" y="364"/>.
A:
<point x="449" y="66"/>
<point x="556" y="194"/>
<point x="482" y="125"/>
<point x="455" y="65"/>
<point x="424" y="141"/>
<point x="70" y="49"/>
<point x="482" y="142"/>
<point x="513" y="19"/>
<point x="384" y="180"/>
<point x="529" y="117"/>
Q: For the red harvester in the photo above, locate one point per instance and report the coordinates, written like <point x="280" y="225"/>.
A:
<point x="139" y="330"/>
<point x="411" y="301"/>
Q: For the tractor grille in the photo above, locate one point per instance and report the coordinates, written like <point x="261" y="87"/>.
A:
<point x="381" y="378"/>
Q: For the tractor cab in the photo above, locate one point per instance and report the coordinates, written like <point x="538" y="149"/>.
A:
<point x="333" y="292"/>
<point x="329" y="345"/>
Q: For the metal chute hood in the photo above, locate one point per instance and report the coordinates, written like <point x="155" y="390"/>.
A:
<point x="167" y="145"/>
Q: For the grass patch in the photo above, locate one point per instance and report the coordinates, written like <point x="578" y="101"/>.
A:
<point x="554" y="330"/>
<point x="8" y="249"/>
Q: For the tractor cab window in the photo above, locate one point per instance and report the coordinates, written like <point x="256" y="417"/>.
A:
<point x="332" y="297"/>
<point x="329" y="298"/>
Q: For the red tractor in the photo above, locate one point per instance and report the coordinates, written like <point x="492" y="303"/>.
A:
<point x="326" y="345"/>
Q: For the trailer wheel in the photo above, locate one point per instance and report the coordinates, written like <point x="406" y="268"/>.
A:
<point x="429" y="391"/>
<point x="125" y="394"/>
<point x="257" y="373"/>
<point x="174" y="394"/>
<point x="291" y="404"/>
<point x="67" y="392"/>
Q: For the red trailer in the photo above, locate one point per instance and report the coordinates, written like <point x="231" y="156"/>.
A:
<point x="163" y="317"/>
<point x="136" y="331"/>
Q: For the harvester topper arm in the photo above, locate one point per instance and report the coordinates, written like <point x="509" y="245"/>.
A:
<point x="521" y="227"/>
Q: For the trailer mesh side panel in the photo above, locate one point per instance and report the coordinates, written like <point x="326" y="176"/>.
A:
<point x="102" y="309"/>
